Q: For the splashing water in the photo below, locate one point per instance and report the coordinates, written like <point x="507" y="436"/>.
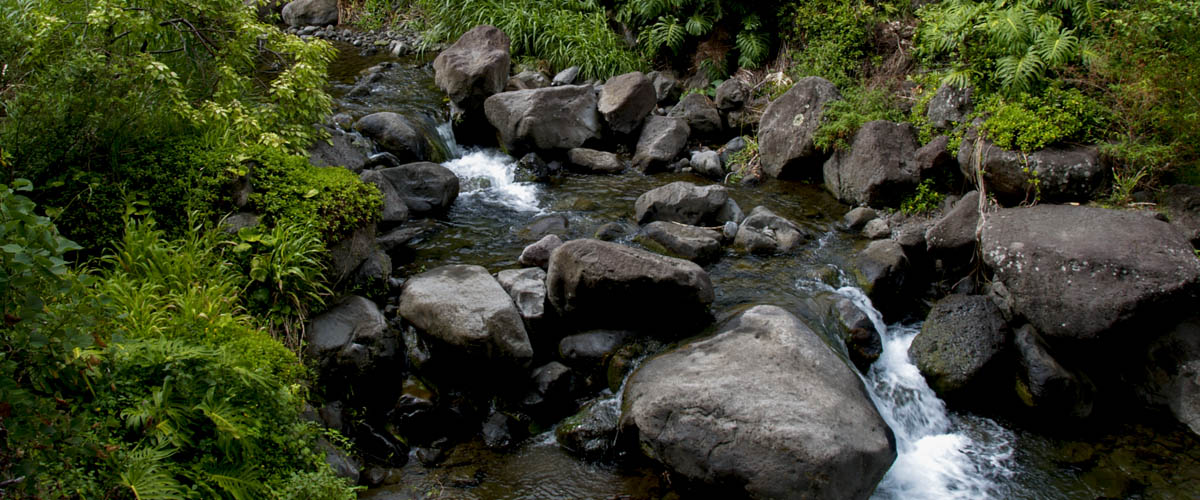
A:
<point x="488" y="176"/>
<point x="939" y="455"/>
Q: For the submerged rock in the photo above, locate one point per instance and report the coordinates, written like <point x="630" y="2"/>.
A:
<point x="764" y="407"/>
<point x="593" y="431"/>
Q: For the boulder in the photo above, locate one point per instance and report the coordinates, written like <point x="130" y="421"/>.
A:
<point x="950" y="106"/>
<point x="625" y="101"/>
<point x="881" y="269"/>
<point x="785" y="132"/>
<point x="598" y="284"/>
<point x="955" y="231"/>
<point x="464" y="309"/>
<point x="595" y="162"/>
<point x="700" y="113"/>
<point x="531" y="168"/>
<point x="764" y="407"/>
<point x="527" y="287"/>
<point x="877" y="229"/>
<point x="562" y="117"/>
<point x="763" y="232"/>
<point x="732" y="94"/>
<point x="590" y="349"/>
<point x="1084" y="273"/>
<point x="878" y="169"/>
<point x="351" y="343"/>
<point x="708" y="164"/>
<point x="961" y="344"/>
<point x="395" y="134"/>
<point x="566" y="76"/>
<point x="688" y="242"/>
<point x="932" y="160"/>
<point x="862" y="340"/>
<point x="682" y="202"/>
<point x="346" y="255"/>
<point x="474" y="68"/>
<point x="1045" y="385"/>
<point x="661" y="140"/>
<point x="593" y="431"/>
<point x="525" y="80"/>
<point x="427" y="188"/>
<point x="341" y="150"/>
<point x="299" y="13"/>
<point x="1172" y="373"/>
<point x="538" y="254"/>
<point x="1054" y="175"/>
<point x="1182" y="204"/>
<point x="666" y="85"/>
<point x="234" y="223"/>
<point x="373" y="276"/>
<point x="545" y="225"/>
<point x="393" y="240"/>
<point x="394" y="209"/>
<point x="859" y="217"/>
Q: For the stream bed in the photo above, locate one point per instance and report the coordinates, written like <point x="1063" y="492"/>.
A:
<point x="941" y="453"/>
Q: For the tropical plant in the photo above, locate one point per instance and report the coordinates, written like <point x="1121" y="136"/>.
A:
<point x="667" y="24"/>
<point x="924" y="200"/>
<point x="842" y="118"/>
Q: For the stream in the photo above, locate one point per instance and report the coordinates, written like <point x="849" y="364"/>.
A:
<point x="942" y="453"/>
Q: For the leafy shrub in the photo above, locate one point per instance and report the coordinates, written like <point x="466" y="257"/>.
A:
<point x="667" y="25"/>
<point x="374" y="14"/>
<point x="924" y="200"/>
<point x="563" y="32"/>
<point x="1032" y="122"/>
<point x="831" y="38"/>
<point x="286" y="275"/>
<point x="842" y="118"/>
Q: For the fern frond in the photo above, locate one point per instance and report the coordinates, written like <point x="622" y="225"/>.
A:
<point x="240" y="483"/>
<point x="147" y="477"/>
<point x="1088" y="53"/>
<point x="1057" y="47"/>
<point x="667" y="32"/>
<point x="752" y="48"/>
<point x="1020" y="73"/>
<point x="1012" y="28"/>
<point x="959" y="77"/>
<point x="698" y="24"/>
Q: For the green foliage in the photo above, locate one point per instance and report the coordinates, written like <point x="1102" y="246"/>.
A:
<point x="563" y="32"/>
<point x="667" y="25"/>
<point x="842" y="118"/>
<point x="99" y="98"/>
<point x="1009" y="46"/>
<point x="831" y="38"/>
<point x="375" y="14"/>
<point x="924" y="200"/>
<point x="744" y="162"/>
<point x="1032" y="122"/>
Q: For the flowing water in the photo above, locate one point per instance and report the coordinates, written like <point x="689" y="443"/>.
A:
<point x="942" y="454"/>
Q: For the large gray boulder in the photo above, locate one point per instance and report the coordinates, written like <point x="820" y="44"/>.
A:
<point x="732" y="94"/>
<point x="562" y="117"/>
<point x="527" y="287"/>
<point x="701" y="115"/>
<point x="950" y="106"/>
<point x="351" y="340"/>
<point x="427" y="188"/>
<point x="878" y="169"/>
<point x="474" y="68"/>
<point x="341" y="150"/>
<point x="693" y="243"/>
<point x="661" y="141"/>
<point x="395" y="134"/>
<point x="1182" y="204"/>
<point x="299" y="13"/>
<point x="347" y="254"/>
<point x="394" y="209"/>
<point x="881" y="271"/>
<point x="1046" y="385"/>
<point x="708" y="164"/>
<point x="1172" y="373"/>
<point x="1084" y="273"/>
<point x="626" y="100"/>
<point x="763" y="406"/>
<point x="763" y="232"/>
<point x="467" y="311"/>
<point x="960" y="344"/>
<point x="787" y="127"/>
<point x="955" y="231"/>
<point x="595" y="162"/>
<point x="598" y="284"/>
<point x="1055" y="174"/>
<point x="682" y="202"/>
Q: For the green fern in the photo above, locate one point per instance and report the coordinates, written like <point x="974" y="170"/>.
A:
<point x="1019" y="73"/>
<point x="666" y="32"/>
<point x="146" y="474"/>
<point x="1057" y="46"/>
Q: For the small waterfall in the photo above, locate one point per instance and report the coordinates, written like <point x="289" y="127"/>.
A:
<point x="487" y="176"/>
<point x="939" y="455"/>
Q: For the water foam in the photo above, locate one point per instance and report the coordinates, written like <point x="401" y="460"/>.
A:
<point x="488" y="176"/>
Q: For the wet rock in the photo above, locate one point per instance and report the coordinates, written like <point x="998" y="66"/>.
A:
<point x="763" y="406"/>
<point x="381" y="160"/>
<point x="538" y="254"/>
<point x="785" y="133"/>
<point x="554" y="385"/>
<point x="877" y="229"/>
<point x="1062" y="174"/>
<point x="765" y="233"/>
<point x="1172" y="373"/>
<point x="341" y="150"/>
<point x="961" y="344"/>
<point x="299" y="13"/>
<point x="661" y="140"/>
<point x="599" y="284"/>
<point x="346" y="255"/>
<point x="331" y="415"/>
<point x="464" y="309"/>
<point x="682" y="202"/>
<point x="395" y="134"/>
<point x="394" y="240"/>
<point x="542" y="119"/>
<point x="666" y="85"/>
<point x="372" y="276"/>
<point x="351" y="342"/>
<point x="238" y="221"/>
<point x="414" y="410"/>
<point x="859" y="217"/>
<point x="732" y="94"/>
<point x="731" y="148"/>
<point x="527" y="287"/>
<point x="566" y="76"/>
<point x="343" y="466"/>
<point x="708" y="164"/>
<point x="1086" y="273"/>
<point x="1182" y="204"/>
<point x="595" y="162"/>
<point x="375" y="477"/>
<point x="626" y="100"/>
<point x="1044" y="384"/>
<point x="881" y="271"/>
<point x="531" y="168"/>
<point x="701" y="115"/>
<point x="590" y="349"/>
<point x="612" y="231"/>
<point x="693" y="243"/>
<point x="950" y="106"/>
<point x="395" y="210"/>
<point x="427" y="188"/>
<point x="545" y="225"/>
<point x="592" y="432"/>
<point x="474" y="68"/>
<point x="526" y="80"/>
<point x="878" y="169"/>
